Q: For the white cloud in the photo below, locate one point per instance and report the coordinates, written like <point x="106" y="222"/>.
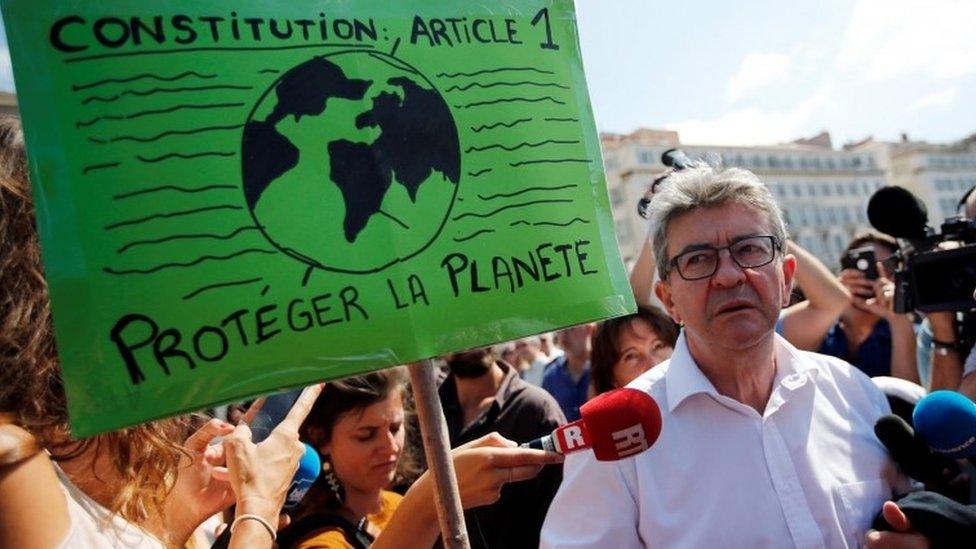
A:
<point x="890" y="38"/>
<point x="758" y="69"/>
<point x="6" y="72"/>
<point x="752" y="126"/>
<point x="942" y="98"/>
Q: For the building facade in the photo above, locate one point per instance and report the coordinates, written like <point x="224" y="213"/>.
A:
<point x="823" y="192"/>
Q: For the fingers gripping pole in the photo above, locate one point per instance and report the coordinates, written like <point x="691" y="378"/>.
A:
<point x="433" y="427"/>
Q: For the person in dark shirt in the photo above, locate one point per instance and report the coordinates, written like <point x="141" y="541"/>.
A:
<point x="481" y="395"/>
<point x="869" y="334"/>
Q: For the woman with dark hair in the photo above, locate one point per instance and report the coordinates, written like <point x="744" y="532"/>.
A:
<point x="358" y="428"/>
<point x="869" y="334"/>
<point x="627" y="346"/>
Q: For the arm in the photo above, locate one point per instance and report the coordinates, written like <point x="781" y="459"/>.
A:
<point x="483" y="467"/>
<point x="642" y="275"/>
<point x="806" y="324"/>
<point x="33" y="508"/>
<point x="946" y="368"/>
<point x="260" y="474"/>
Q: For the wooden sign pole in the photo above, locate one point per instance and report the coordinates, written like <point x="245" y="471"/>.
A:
<point x="437" y="445"/>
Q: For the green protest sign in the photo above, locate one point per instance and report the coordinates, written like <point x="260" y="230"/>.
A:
<point x="236" y="197"/>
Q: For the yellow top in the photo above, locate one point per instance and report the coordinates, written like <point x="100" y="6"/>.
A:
<point x="334" y="538"/>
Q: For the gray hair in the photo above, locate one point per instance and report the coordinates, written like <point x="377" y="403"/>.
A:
<point x="704" y="186"/>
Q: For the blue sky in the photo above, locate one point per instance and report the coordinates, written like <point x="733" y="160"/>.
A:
<point x="763" y="71"/>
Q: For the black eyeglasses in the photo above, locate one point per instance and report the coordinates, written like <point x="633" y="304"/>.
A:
<point x="747" y="253"/>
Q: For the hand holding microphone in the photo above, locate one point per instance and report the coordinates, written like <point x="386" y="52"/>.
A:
<point x="616" y="424"/>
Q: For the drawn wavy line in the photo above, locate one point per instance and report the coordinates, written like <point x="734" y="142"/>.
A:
<point x="97" y="140"/>
<point x="171" y="214"/>
<point x="94" y="167"/>
<point x="505" y="124"/>
<point x="467" y="87"/>
<point x="193" y="263"/>
<point x="173" y="188"/>
<point x="395" y="46"/>
<point x="307" y="275"/>
<point x="570" y="119"/>
<point x="522" y="145"/>
<point x="510" y="100"/>
<point x="265" y="289"/>
<point x="141" y="76"/>
<point x="474" y="234"/>
<point x="491" y="71"/>
<point x="236" y="232"/>
<point x="547" y="161"/>
<point x="217" y="48"/>
<point x="519" y="222"/>
<point x="199" y="291"/>
<point x="568" y="223"/>
<point x="510" y="206"/>
<point x="183" y="156"/>
<point x="267" y="71"/>
<point x="167" y="134"/>
<point x="144" y="93"/>
<point x="155" y="111"/>
<point x="479" y="172"/>
<point x="527" y="189"/>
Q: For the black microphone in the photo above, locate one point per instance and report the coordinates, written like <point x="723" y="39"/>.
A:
<point x="897" y="212"/>
<point x="676" y="159"/>
<point x="912" y="454"/>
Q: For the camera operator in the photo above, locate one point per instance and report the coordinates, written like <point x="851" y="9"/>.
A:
<point x="939" y="336"/>
<point x="869" y="334"/>
<point x="804" y="324"/>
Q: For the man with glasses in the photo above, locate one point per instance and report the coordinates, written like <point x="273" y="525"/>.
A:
<point x="762" y="445"/>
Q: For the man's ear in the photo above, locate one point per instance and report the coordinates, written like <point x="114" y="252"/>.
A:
<point x="789" y="270"/>
<point x="663" y="292"/>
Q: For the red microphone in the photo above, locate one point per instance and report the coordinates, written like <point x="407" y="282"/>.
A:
<point x="616" y="424"/>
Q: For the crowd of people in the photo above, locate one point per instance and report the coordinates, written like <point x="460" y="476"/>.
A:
<point x="745" y="340"/>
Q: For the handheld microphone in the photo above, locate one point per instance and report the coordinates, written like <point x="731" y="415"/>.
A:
<point x="897" y="212"/>
<point x="946" y="420"/>
<point x="911" y="453"/>
<point x="675" y="158"/>
<point x="616" y="424"/>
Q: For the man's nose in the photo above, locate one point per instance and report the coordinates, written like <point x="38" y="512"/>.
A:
<point x="727" y="272"/>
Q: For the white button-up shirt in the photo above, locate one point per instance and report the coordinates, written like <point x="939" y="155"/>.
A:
<point x="808" y="472"/>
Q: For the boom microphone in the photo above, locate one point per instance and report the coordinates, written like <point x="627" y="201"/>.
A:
<point x="675" y="158"/>
<point x="616" y="424"/>
<point x="946" y="420"/>
<point x="910" y="452"/>
<point x="897" y="212"/>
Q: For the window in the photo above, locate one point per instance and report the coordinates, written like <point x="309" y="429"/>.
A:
<point x="757" y="161"/>
<point x="839" y="187"/>
<point x="856" y="162"/>
<point x="646" y="157"/>
<point x="830" y="164"/>
<point x="772" y="161"/>
<point x="616" y="196"/>
<point x="788" y="162"/>
<point x="826" y="189"/>
<point x="811" y="189"/>
<point x="797" y="191"/>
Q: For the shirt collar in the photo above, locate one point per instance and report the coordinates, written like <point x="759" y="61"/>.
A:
<point x="684" y="379"/>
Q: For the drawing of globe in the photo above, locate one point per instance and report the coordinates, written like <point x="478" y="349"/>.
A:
<point x="351" y="162"/>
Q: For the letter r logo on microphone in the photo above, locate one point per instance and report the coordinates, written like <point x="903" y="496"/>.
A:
<point x="571" y="438"/>
<point x="630" y="441"/>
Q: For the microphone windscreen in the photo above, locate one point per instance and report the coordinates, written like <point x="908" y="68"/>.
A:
<point x="897" y="212"/>
<point x="910" y="453"/>
<point x="947" y="422"/>
<point x="621" y="423"/>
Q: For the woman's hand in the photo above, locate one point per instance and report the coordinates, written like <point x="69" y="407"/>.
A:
<point x="260" y="474"/>
<point x="485" y="465"/>
<point x="201" y="487"/>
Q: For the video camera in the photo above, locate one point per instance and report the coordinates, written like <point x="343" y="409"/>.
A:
<point x="928" y="276"/>
<point x="672" y="158"/>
